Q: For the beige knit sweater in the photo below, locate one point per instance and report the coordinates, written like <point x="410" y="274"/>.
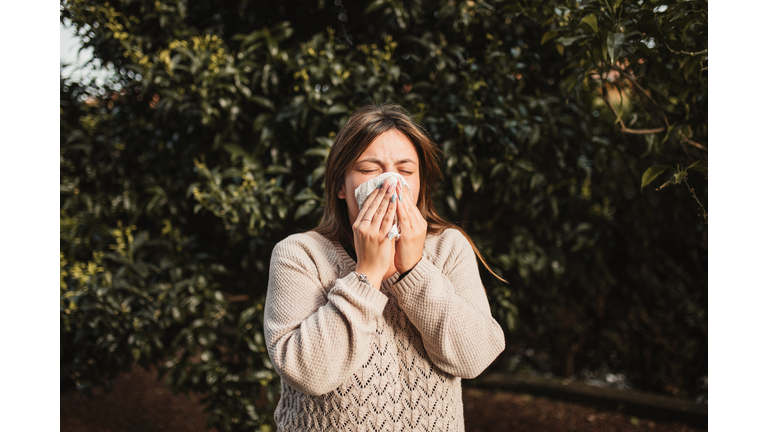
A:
<point x="353" y="358"/>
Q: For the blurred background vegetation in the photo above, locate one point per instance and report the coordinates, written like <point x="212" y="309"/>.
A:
<point x="207" y="146"/>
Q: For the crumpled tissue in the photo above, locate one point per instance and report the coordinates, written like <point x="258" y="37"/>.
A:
<point x="364" y="190"/>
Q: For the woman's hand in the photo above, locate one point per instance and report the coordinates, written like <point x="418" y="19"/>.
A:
<point x="375" y="251"/>
<point x="413" y="232"/>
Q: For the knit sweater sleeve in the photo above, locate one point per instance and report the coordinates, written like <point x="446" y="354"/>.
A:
<point x="316" y="337"/>
<point x="444" y="299"/>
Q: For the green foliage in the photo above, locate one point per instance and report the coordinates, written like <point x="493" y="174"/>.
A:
<point x="178" y="178"/>
<point x="653" y="172"/>
<point x="681" y="176"/>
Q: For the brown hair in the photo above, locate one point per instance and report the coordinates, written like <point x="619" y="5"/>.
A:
<point x="365" y="125"/>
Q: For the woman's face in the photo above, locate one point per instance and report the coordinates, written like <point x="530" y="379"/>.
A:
<point x="391" y="151"/>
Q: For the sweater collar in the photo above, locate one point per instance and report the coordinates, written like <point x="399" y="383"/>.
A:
<point x="346" y="260"/>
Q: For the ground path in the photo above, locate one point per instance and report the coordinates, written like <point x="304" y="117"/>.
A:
<point x="138" y="403"/>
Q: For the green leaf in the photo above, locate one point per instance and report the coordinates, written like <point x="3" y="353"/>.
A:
<point x="261" y="100"/>
<point x="261" y="120"/>
<point x="458" y="184"/>
<point x="700" y="166"/>
<point x="306" y="194"/>
<point x="304" y="209"/>
<point x="318" y="173"/>
<point x="219" y="296"/>
<point x="614" y="41"/>
<point x="278" y="169"/>
<point x="337" y="109"/>
<point x="234" y="149"/>
<point x="246" y="316"/>
<point x="678" y="178"/>
<point x="378" y="4"/>
<point x="211" y="378"/>
<point x="651" y="173"/>
<point x="251" y="345"/>
<point x="496" y="169"/>
<point x="324" y="141"/>
<point x="604" y="49"/>
<point x="470" y="131"/>
<point x="477" y="180"/>
<point x="548" y="35"/>
<point x="666" y="135"/>
<point x="317" y="151"/>
<point x="589" y="21"/>
<point x="568" y="41"/>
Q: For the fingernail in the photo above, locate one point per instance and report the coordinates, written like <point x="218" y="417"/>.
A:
<point x="399" y="197"/>
<point x="380" y="185"/>
<point x="393" y="199"/>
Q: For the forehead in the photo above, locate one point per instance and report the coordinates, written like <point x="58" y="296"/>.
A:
<point x="392" y="145"/>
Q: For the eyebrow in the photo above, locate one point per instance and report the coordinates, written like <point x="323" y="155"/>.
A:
<point x="378" y="161"/>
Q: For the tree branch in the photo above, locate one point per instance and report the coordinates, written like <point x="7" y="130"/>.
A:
<point x="694" y="144"/>
<point x="656" y="21"/>
<point x="687" y="153"/>
<point x="704" y="211"/>
<point x="687" y="52"/>
<point x="643" y="131"/>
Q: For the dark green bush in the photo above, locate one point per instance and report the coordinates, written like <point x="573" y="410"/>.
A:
<point x="178" y="178"/>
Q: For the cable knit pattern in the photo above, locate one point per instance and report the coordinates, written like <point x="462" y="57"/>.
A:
<point x="352" y="358"/>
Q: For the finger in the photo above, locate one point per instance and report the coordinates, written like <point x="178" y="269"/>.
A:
<point x="389" y="216"/>
<point x="369" y="200"/>
<point x="412" y="213"/>
<point x="371" y="204"/>
<point x="416" y="220"/>
<point x="406" y="197"/>
<point x="412" y="209"/>
<point x="402" y="213"/>
<point x="384" y="202"/>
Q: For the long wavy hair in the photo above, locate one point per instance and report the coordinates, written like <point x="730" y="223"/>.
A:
<point x="365" y="125"/>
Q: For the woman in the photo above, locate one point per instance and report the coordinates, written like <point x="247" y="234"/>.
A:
<point x="370" y="333"/>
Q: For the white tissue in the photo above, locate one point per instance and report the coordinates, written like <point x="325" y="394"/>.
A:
<point x="364" y="190"/>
